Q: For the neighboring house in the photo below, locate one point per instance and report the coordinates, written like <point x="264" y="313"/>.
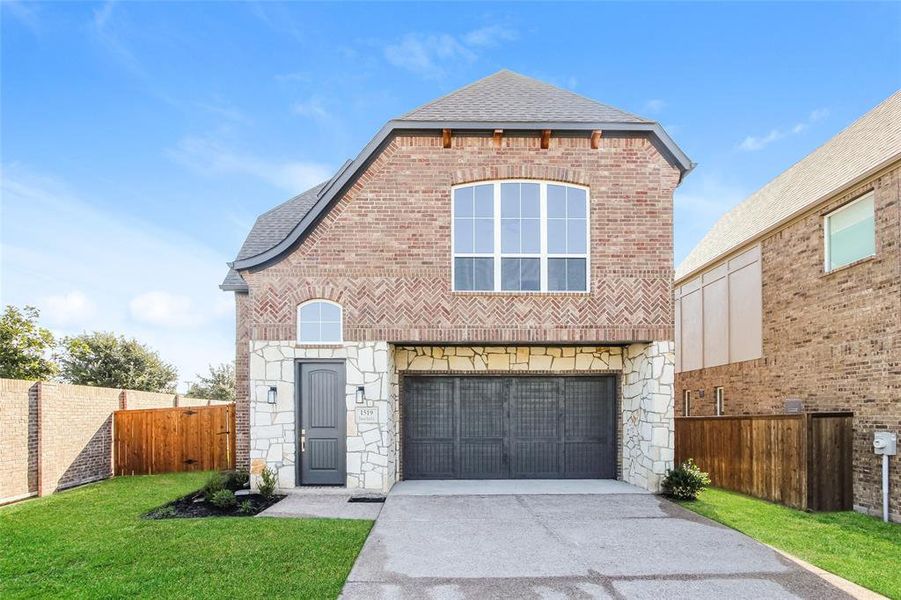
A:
<point x="484" y="292"/>
<point x="793" y="299"/>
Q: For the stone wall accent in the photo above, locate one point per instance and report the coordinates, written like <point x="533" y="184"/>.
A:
<point x="273" y="428"/>
<point x="831" y="340"/>
<point x="647" y="405"/>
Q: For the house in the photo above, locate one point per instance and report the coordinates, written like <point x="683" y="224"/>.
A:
<point x="792" y="301"/>
<point x="485" y="291"/>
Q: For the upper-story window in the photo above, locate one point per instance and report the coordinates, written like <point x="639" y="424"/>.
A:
<point x="520" y="236"/>
<point x="319" y="322"/>
<point x="850" y="233"/>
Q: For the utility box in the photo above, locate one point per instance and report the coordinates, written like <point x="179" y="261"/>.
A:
<point x="885" y="442"/>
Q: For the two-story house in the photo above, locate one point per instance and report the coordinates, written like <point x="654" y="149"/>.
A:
<point x="485" y="291"/>
<point x="792" y="301"/>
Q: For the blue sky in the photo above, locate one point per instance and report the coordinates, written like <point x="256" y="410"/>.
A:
<point x="140" y="140"/>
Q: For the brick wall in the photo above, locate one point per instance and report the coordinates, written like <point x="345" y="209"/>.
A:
<point x="54" y="436"/>
<point x="831" y="340"/>
<point x="384" y="251"/>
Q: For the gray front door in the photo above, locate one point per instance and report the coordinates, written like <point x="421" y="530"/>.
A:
<point x="322" y="440"/>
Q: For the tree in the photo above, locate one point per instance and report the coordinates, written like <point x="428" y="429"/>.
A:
<point x="103" y="359"/>
<point x="220" y="385"/>
<point x="24" y="345"/>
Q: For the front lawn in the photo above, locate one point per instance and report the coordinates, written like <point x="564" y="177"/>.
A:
<point x="854" y="546"/>
<point x="91" y="542"/>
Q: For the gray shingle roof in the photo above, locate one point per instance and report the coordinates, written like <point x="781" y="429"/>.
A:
<point x="510" y="97"/>
<point x="864" y="146"/>
<point x="233" y="282"/>
<point x="273" y="226"/>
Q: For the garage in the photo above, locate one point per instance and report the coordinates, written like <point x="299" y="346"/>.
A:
<point x="509" y="427"/>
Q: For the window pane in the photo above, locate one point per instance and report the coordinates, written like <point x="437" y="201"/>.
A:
<point x="330" y="312"/>
<point x="309" y="332"/>
<point x="484" y="235"/>
<point x="556" y="236"/>
<point x="510" y="274"/>
<point x="575" y="274"/>
<point x="484" y="201"/>
<point x="556" y="201"/>
<point x="463" y="202"/>
<point x="575" y="235"/>
<point x="529" y="274"/>
<point x="483" y="273"/>
<point x="331" y="332"/>
<point x="463" y="235"/>
<point x="556" y="274"/>
<point x="530" y="203"/>
<point x="509" y="200"/>
<point x="531" y="236"/>
<point x="463" y="273"/>
<point x="310" y="312"/>
<point x="575" y="203"/>
<point x="509" y="235"/>
<point x="852" y="233"/>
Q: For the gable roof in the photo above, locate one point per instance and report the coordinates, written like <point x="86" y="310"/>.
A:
<point x="863" y="148"/>
<point x="504" y="100"/>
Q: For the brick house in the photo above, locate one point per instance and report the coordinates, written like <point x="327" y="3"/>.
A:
<point x="793" y="299"/>
<point x="483" y="292"/>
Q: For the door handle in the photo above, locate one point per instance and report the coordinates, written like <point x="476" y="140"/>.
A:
<point x="303" y="440"/>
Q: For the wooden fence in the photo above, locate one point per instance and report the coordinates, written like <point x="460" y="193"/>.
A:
<point x="800" y="460"/>
<point x="167" y="440"/>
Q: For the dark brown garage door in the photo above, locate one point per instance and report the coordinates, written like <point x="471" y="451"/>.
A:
<point x="519" y="427"/>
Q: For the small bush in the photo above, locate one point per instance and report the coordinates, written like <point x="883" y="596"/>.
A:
<point x="686" y="481"/>
<point x="215" y="483"/>
<point x="224" y="499"/>
<point x="268" y="482"/>
<point x="245" y="508"/>
<point x="236" y="480"/>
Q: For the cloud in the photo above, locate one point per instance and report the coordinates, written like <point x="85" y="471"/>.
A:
<point x="492" y="35"/>
<point x="430" y="55"/>
<point x="208" y="156"/>
<point x="66" y="309"/>
<point x="655" y="105"/>
<point x="162" y="308"/>
<point x="25" y="13"/>
<point x="313" y="108"/>
<point x="752" y="143"/>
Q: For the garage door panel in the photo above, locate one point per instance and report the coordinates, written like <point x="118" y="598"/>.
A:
<point x="482" y="459"/>
<point x="536" y="460"/>
<point x="430" y="460"/>
<point x="589" y="409"/>
<point x="582" y="461"/>
<point x="432" y="415"/>
<point x="482" y="407"/>
<point x="535" y="408"/>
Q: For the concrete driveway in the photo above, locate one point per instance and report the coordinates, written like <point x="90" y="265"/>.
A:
<point x="527" y="539"/>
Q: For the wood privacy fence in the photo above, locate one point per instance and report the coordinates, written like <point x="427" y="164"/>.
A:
<point x="168" y="440"/>
<point x="800" y="460"/>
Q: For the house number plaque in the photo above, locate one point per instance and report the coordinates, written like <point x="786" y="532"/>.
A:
<point x="367" y="415"/>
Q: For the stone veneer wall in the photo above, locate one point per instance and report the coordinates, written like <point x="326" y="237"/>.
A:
<point x="273" y="430"/>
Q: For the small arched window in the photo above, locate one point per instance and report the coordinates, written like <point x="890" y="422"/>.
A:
<point x="319" y="322"/>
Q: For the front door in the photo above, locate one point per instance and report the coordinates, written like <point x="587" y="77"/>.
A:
<point x="322" y="440"/>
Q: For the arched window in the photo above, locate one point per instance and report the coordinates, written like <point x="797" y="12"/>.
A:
<point x="319" y="322"/>
<point x="520" y="236"/>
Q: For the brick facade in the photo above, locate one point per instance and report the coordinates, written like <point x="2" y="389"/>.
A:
<point x="384" y="251"/>
<point x="831" y="340"/>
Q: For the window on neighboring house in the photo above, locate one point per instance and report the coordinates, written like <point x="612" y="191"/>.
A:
<point x="719" y="399"/>
<point x="850" y="233"/>
<point x="520" y="236"/>
<point x="686" y="403"/>
<point x="319" y="322"/>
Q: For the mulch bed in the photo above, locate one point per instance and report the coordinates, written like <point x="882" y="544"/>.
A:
<point x="187" y="507"/>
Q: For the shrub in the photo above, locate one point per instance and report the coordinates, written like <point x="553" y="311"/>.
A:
<point x="246" y="508"/>
<point x="215" y="483"/>
<point x="686" y="481"/>
<point x="268" y="482"/>
<point x="236" y="480"/>
<point x="224" y="499"/>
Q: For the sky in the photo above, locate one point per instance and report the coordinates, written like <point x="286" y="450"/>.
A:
<point x="139" y="141"/>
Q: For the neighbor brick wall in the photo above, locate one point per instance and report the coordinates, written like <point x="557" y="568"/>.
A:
<point x="18" y="438"/>
<point x="831" y="340"/>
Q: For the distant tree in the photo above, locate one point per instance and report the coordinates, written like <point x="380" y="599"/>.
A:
<point x="24" y="345"/>
<point x="106" y="360"/>
<point x="220" y="385"/>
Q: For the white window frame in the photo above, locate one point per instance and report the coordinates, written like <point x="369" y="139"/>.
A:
<point x="686" y="403"/>
<point x="542" y="255"/>
<point x="720" y="400"/>
<point x="827" y="259"/>
<point x="320" y="343"/>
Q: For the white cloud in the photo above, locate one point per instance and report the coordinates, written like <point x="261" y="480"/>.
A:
<point x="429" y="55"/>
<point x="655" y="105"/>
<point x="752" y="142"/>
<point x="66" y="309"/>
<point x="210" y="157"/>
<point x="492" y="35"/>
<point x="313" y="108"/>
<point x="84" y="265"/>
<point x="162" y="308"/>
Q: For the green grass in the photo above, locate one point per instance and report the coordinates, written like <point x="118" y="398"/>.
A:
<point x="91" y="543"/>
<point x="854" y="546"/>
